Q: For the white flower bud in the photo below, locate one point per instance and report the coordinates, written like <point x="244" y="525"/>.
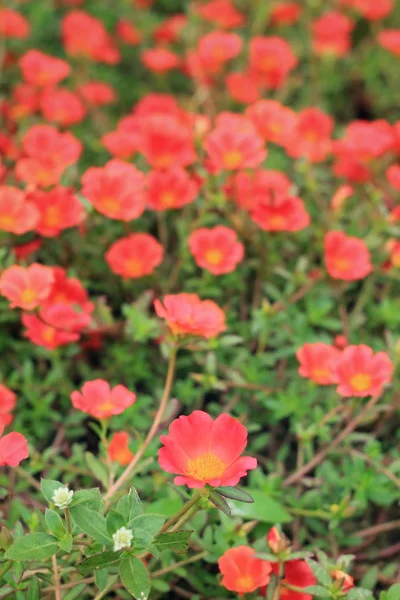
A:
<point x="122" y="538"/>
<point x="62" y="497"/>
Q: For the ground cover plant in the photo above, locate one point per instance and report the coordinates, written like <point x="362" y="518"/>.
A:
<point x="199" y="290"/>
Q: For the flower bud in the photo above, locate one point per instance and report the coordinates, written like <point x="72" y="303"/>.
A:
<point x="62" y="497"/>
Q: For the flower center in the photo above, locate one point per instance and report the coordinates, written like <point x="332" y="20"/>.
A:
<point x="134" y="267"/>
<point x="28" y="295"/>
<point x="245" y="583"/>
<point x="320" y="373"/>
<point x="107" y="406"/>
<point x="49" y="334"/>
<point x="168" y="199"/>
<point x="53" y="216"/>
<point x="361" y="382"/>
<point x="277" y="221"/>
<point x="205" y="467"/>
<point x="111" y="204"/>
<point x="342" y="264"/>
<point x="7" y="220"/>
<point x="214" y="256"/>
<point x="164" y="161"/>
<point x="232" y="159"/>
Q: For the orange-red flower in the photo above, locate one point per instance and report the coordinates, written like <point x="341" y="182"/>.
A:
<point x="346" y="580"/>
<point x="62" y="107"/>
<point x="100" y="401"/>
<point x="13" y="24"/>
<point x="42" y="70"/>
<point x="310" y="137"/>
<point x="13" y="448"/>
<point x="242" y="571"/>
<point x="165" y="141"/>
<point x="68" y="291"/>
<point x="298" y="574"/>
<point x="340" y="196"/>
<point x="27" y="287"/>
<point x="17" y="214"/>
<point x="8" y="401"/>
<point x="134" y="256"/>
<point x="58" y="209"/>
<point x="160" y="60"/>
<point x="273" y="121"/>
<point x="85" y="37"/>
<point x="115" y="190"/>
<point x="242" y="87"/>
<point x="43" y="334"/>
<point x="393" y="176"/>
<point x="263" y="185"/>
<point x="280" y="212"/>
<point x="170" y="30"/>
<point x="390" y="40"/>
<point x="221" y="13"/>
<point x="187" y="314"/>
<point x="25" y="101"/>
<point x="285" y="13"/>
<point x="118" y="449"/>
<point x="201" y="451"/>
<point x="231" y="149"/>
<point x="371" y="9"/>
<point x="317" y="362"/>
<point x="97" y="93"/>
<point x="360" y="372"/>
<point x="128" y="33"/>
<point x="332" y="34"/>
<point x="347" y="258"/>
<point x="217" y="249"/>
<point x="271" y="60"/>
<point x="169" y="189"/>
<point x="216" y="48"/>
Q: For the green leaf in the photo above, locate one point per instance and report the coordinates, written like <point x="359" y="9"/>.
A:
<point x="65" y="543"/>
<point x="296" y="555"/>
<point x="320" y="573"/>
<point x="267" y="556"/>
<point x="220" y="502"/>
<point x="273" y="584"/>
<point x="264" y="509"/>
<point x="359" y="594"/>
<point x="150" y="523"/>
<point x="97" y="468"/>
<point x="177" y="541"/>
<point x="98" y="561"/>
<point x="35" y="546"/>
<point x="17" y="571"/>
<point x="90" y="498"/>
<point x="135" y="577"/>
<point x="49" y="486"/>
<point x="235" y="494"/>
<point x="114" y="521"/>
<point x="92" y="523"/>
<point x="393" y="592"/>
<point x="6" y="538"/>
<point x="75" y="592"/>
<point x="33" y="591"/>
<point x="130" y="506"/>
<point x="317" y="590"/>
<point x="55" y="523"/>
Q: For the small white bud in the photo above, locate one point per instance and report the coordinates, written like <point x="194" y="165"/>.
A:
<point x="122" y="538"/>
<point x="62" y="497"/>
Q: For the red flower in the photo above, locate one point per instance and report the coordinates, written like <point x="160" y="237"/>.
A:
<point x="42" y="70"/>
<point x="285" y="13"/>
<point x="118" y="449"/>
<point x="262" y="185"/>
<point x="43" y="334"/>
<point x="347" y="581"/>
<point x="128" y="33"/>
<point x="97" y="93"/>
<point x="233" y="148"/>
<point x="347" y="258"/>
<point x="84" y="36"/>
<point x="242" y="571"/>
<point x="317" y="362"/>
<point x="332" y="34"/>
<point x="124" y="141"/>
<point x="62" y="107"/>
<point x="134" y="256"/>
<point x="170" y="30"/>
<point x="68" y="291"/>
<point x="222" y="13"/>
<point x="187" y="314"/>
<point x="13" y="24"/>
<point x="165" y="141"/>
<point x="271" y="60"/>
<point x="310" y="137"/>
<point x="360" y="372"/>
<point x="390" y="40"/>
<point x="242" y="87"/>
<point x="273" y="121"/>
<point x="298" y="574"/>
<point x="218" y="47"/>
<point x="25" y="101"/>
<point x="371" y="9"/>
<point x="24" y="250"/>
<point x="169" y="189"/>
<point x="17" y="215"/>
<point x="202" y="451"/>
<point x="280" y="213"/>
<point x="115" y="190"/>
<point x="340" y="196"/>
<point x="58" y="209"/>
<point x="8" y="401"/>
<point x="100" y="401"/>
<point x="13" y="448"/>
<point x="27" y="287"/>
<point x="216" y="249"/>
<point x="160" y="60"/>
<point x="393" y="176"/>
<point x="393" y="247"/>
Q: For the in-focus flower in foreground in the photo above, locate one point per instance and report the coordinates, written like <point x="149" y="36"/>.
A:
<point x="26" y="288"/>
<point x="187" y="314"/>
<point x="317" y="362"/>
<point x="62" y="497"/>
<point x="242" y="571"/>
<point x="100" y="401"/>
<point x="360" y="372"/>
<point x="201" y="451"/>
<point x="13" y="448"/>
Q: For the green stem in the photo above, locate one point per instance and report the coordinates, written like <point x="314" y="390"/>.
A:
<point x="177" y="565"/>
<point x="192" y="502"/>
